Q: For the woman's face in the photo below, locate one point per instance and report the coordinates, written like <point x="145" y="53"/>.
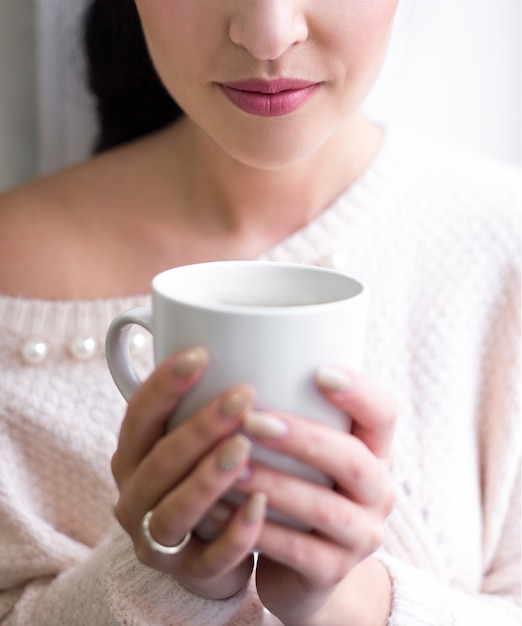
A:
<point x="268" y="81"/>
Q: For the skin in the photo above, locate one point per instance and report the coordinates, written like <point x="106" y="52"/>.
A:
<point x="222" y="184"/>
<point x="302" y="578"/>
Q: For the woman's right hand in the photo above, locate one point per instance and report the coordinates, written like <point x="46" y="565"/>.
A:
<point x="182" y="474"/>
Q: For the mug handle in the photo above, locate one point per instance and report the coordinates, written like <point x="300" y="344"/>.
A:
<point x="117" y="348"/>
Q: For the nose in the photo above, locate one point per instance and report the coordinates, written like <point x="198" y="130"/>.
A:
<point x="267" y="28"/>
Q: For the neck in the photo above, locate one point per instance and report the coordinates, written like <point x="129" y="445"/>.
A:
<point x="270" y="204"/>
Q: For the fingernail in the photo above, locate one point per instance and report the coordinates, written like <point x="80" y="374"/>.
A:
<point x="237" y="401"/>
<point x="246" y="474"/>
<point x="189" y="361"/>
<point x="333" y="378"/>
<point x="255" y="507"/>
<point x="234" y="453"/>
<point x="264" y="425"/>
<point x="220" y="513"/>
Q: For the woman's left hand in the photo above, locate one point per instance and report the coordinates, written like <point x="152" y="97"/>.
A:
<point x="315" y="578"/>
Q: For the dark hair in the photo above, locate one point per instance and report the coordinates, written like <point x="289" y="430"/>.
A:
<point x="131" y="99"/>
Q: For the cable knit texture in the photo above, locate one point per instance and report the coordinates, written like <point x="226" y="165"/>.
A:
<point x="433" y="234"/>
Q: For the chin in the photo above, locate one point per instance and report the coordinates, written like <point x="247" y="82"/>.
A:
<point x="276" y="153"/>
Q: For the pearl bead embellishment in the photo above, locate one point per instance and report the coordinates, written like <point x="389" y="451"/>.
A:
<point x="83" y="348"/>
<point x="334" y="261"/>
<point x="35" y="351"/>
<point x="137" y="343"/>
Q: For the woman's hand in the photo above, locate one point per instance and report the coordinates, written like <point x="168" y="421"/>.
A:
<point x="306" y="578"/>
<point x="181" y="475"/>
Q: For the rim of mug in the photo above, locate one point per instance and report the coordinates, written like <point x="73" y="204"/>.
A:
<point x="356" y="288"/>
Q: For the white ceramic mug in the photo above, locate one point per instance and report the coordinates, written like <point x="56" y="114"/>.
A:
<point x="264" y="323"/>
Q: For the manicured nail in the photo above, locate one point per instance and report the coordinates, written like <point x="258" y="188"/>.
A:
<point x="189" y="361"/>
<point x="255" y="507"/>
<point x="246" y="474"/>
<point x="237" y="401"/>
<point x="234" y="453"/>
<point x="333" y="378"/>
<point x="220" y="513"/>
<point x="264" y="425"/>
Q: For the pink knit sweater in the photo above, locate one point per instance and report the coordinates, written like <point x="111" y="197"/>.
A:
<point x="434" y="236"/>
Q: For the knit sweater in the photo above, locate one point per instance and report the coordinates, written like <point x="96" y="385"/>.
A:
<point x="433" y="235"/>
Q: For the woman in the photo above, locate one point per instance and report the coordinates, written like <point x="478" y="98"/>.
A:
<point x="271" y="158"/>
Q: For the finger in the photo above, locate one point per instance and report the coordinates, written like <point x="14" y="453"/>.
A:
<point x="316" y="560"/>
<point x="152" y="404"/>
<point x="373" y="411"/>
<point x="228" y="560"/>
<point x="239" y="537"/>
<point x="177" y="453"/>
<point x="343" y="457"/>
<point x="323" y="510"/>
<point x="182" y="508"/>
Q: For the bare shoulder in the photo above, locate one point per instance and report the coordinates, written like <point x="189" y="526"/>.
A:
<point x="46" y="234"/>
<point x="29" y="232"/>
<point x="99" y="229"/>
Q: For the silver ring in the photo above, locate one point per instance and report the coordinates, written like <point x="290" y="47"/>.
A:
<point x="159" y="547"/>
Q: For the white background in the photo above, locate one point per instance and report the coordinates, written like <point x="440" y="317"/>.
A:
<point x="453" y="71"/>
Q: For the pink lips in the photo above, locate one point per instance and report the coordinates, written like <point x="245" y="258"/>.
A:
<point x="269" y="98"/>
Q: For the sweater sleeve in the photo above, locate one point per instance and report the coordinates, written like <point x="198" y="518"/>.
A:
<point x="64" y="560"/>
<point x="111" y="587"/>
<point x="422" y="596"/>
<point x="421" y="599"/>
